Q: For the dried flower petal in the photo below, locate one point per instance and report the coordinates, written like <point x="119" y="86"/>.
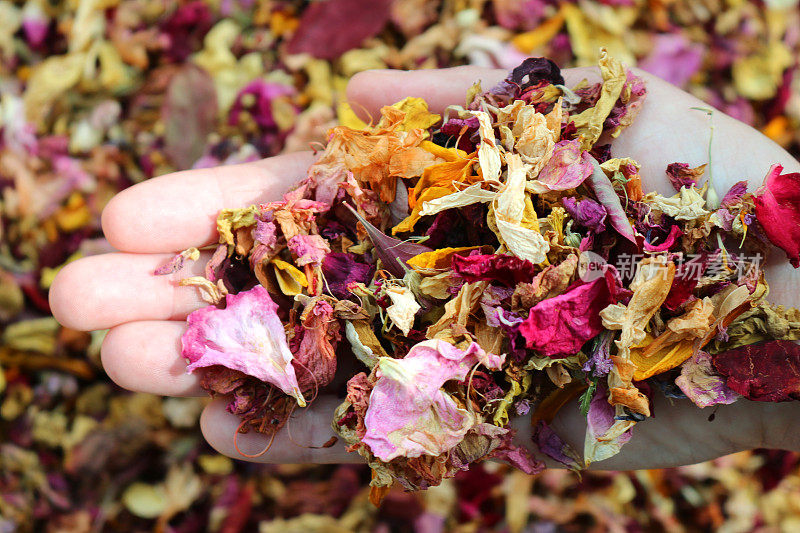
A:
<point x="700" y="382"/>
<point x="246" y="336"/>
<point x="561" y="325"/>
<point x="778" y="211"/>
<point x="408" y="414"/>
<point x="764" y="372"/>
<point x="567" y="168"/>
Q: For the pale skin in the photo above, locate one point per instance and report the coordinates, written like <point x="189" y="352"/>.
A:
<point x="151" y="221"/>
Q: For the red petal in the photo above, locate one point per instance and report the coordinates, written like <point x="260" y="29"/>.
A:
<point x="778" y="211"/>
<point x="330" y="28"/>
<point x="763" y="372"/>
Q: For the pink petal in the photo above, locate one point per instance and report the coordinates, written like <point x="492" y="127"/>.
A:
<point x="308" y="249"/>
<point x="408" y="414"/>
<point x="561" y="325"/>
<point x="247" y="336"/>
<point x="567" y="168"/>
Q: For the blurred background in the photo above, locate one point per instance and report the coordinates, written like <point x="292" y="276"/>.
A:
<point x="100" y="94"/>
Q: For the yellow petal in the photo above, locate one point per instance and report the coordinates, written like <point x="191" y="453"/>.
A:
<point x="431" y="193"/>
<point x="290" y="279"/>
<point x="416" y="114"/>
<point x="233" y="219"/>
<point x="347" y="117"/>
<point x="661" y="361"/>
<point x="448" y="154"/>
<point x="589" y="123"/>
<point x="531" y="40"/>
<point x="437" y="258"/>
<point x="443" y="175"/>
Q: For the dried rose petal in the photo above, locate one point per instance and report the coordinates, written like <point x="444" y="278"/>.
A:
<point x="586" y="212"/>
<point x="675" y="233"/>
<point x="505" y="269"/>
<point x="341" y="269"/>
<point x="308" y="249"/>
<point x="682" y="175"/>
<point x="734" y="194"/>
<point x="778" y="211"/>
<point x="605" y="435"/>
<point x="763" y="372"/>
<point x="567" y="168"/>
<point x="608" y="197"/>
<point x="246" y="336"/>
<point x="561" y="325"/>
<point x="552" y="445"/>
<point x="531" y="72"/>
<point x="408" y="414"/>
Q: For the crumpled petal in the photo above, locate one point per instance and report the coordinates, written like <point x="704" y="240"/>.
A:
<point x="247" y="336"/>
<point x="562" y="324"/>
<point x="468" y="196"/>
<point x="666" y="358"/>
<point x="604" y="435"/>
<point x="675" y="233"/>
<point x="488" y="152"/>
<point x="589" y="123"/>
<point x="586" y="212"/>
<point x="734" y="195"/>
<point x="682" y="175"/>
<point x="701" y="383"/>
<point x="550" y="282"/>
<point x="505" y="269"/>
<point x="309" y="249"/>
<point x="567" y="168"/>
<point x="536" y="135"/>
<point x="510" y="212"/>
<point x="535" y="69"/>
<point x="404" y="307"/>
<point x="408" y="414"/>
<point x="316" y="354"/>
<point x="651" y="285"/>
<point x="340" y="269"/>
<point x="686" y="205"/>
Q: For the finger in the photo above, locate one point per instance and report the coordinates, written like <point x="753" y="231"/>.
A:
<point x="146" y="357"/>
<point x="173" y="212"/>
<point x="370" y="90"/>
<point x="308" y="428"/>
<point x="668" y="130"/>
<point x="102" y="291"/>
<point x="679" y="433"/>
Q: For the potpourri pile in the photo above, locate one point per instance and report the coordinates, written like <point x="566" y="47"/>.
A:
<point x="495" y="261"/>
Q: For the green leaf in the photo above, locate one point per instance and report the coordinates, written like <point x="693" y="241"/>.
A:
<point x="586" y="397"/>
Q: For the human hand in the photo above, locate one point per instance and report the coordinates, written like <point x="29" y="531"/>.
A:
<point x="149" y="222"/>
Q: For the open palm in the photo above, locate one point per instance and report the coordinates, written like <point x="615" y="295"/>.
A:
<point x="151" y="221"/>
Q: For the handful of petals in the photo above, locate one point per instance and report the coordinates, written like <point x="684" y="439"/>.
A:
<point x="488" y="261"/>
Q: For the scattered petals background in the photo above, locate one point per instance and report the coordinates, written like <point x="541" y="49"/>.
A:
<point x="98" y="95"/>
